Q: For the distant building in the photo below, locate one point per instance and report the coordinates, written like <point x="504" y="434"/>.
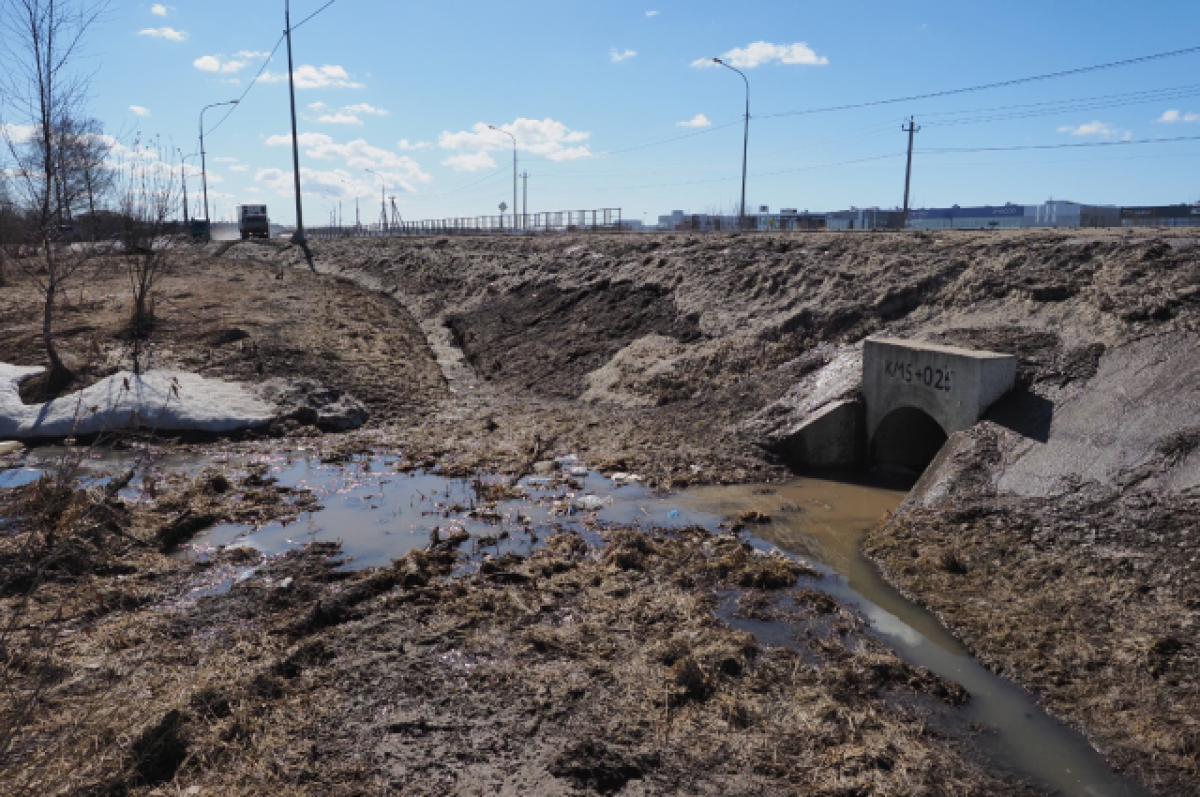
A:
<point x="699" y="222"/>
<point x="1010" y="216"/>
<point x="865" y="219"/>
<point x="791" y="219"/>
<point x="1161" y="216"/>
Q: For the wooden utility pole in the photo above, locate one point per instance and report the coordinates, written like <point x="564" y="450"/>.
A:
<point x="911" y="128"/>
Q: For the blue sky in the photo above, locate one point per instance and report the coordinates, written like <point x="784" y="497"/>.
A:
<point x="408" y="89"/>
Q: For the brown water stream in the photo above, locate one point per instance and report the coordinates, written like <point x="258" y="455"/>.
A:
<point x="826" y="521"/>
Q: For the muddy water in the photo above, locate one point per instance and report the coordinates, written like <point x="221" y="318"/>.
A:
<point x="378" y="513"/>
<point x="826" y="521"/>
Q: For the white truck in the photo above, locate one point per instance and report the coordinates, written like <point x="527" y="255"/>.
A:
<point x="253" y="222"/>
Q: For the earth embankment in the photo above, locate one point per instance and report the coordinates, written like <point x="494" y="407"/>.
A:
<point x="1057" y="538"/>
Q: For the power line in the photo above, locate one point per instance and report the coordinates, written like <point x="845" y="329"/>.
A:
<point x="1149" y="94"/>
<point x="313" y="14"/>
<point x="262" y="69"/>
<point x="1082" y="145"/>
<point x="1071" y="106"/>
<point x="998" y="85"/>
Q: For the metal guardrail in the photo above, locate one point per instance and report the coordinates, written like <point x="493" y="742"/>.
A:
<point x="606" y="220"/>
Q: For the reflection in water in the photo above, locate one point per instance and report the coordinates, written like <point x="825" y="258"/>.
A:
<point x="827" y="521"/>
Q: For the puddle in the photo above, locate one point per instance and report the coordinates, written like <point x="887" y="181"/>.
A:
<point x="378" y="514"/>
<point x="96" y="465"/>
<point x="826" y="521"/>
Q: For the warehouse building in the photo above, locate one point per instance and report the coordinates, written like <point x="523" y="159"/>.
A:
<point x="1161" y="216"/>
<point x="865" y="219"/>
<point x="1009" y="216"/>
<point x="791" y="219"/>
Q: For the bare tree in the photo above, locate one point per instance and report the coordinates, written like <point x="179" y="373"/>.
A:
<point x="8" y="226"/>
<point x="44" y="92"/>
<point x="147" y="189"/>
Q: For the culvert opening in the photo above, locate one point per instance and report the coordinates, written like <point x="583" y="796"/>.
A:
<point x="908" y="438"/>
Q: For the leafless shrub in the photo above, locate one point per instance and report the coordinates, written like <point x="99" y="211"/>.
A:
<point x="146" y="193"/>
<point x="43" y="92"/>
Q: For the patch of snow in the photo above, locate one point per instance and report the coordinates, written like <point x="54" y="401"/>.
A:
<point x="172" y="401"/>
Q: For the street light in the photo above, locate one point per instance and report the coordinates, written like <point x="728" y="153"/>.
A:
<point x="745" y="140"/>
<point x="183" y="179"/>
<point x="203" y="171"/>
<point x="382" y="198"/>
<point x="514" y="140"/>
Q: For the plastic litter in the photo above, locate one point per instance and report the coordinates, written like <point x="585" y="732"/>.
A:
<point x="590" y="503"/>
<point x="578" y="470"/>
<point x="674" y="513"/>
<point x="622" y="479"/>
<point x="10" y="446"/>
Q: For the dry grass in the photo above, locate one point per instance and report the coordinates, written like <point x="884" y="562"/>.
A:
<point x="1092" y="602"/>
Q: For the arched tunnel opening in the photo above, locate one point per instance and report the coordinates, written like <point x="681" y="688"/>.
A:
<point x="907" y="437"/>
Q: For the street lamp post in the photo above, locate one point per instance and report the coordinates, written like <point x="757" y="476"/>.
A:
<point x="382" y="199"/>
<point x="183" y="180"/>
<point x="514" y="140"/>
<point x="745" y="139"/>
<point x="203" y="168"/>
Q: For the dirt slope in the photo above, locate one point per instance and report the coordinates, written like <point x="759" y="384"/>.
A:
<point x="1103" y="421"/>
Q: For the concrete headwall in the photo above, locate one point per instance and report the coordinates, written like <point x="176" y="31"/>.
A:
<point x="953" y="386"/>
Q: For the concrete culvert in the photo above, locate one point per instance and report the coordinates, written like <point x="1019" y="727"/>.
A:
<point x="908" y="438"/>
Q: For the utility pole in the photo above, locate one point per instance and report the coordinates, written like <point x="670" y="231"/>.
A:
<point x="298" y="236"/>
<point x="525" y="199"/>
<point x="911" y="129"/>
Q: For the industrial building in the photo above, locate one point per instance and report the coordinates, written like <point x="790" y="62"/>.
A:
<point x="1161" y="216"/>
<point x="1051" y="214"/>
<point x="1055" y="213"/>
<point x="698" y="222"/>
<point x="790" y="219"/>
<point x="865" y="219"/>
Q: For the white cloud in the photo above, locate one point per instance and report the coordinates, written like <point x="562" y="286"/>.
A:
<point x="224" y="160"/>
<point x="18" y="134"/>
<point x="335" y="183"/>
<point x="399" y="170"/>
<point x="760" y="53"/>
<point x="164" y="33"/>
<point x="618" y="56"/>
<point x="158" y="10"/>
<point x="470" y="161"/>
<point x="1173" y="117"/>
<point x="313" y="77"/>
<point x="139" y="110"/>
<point x="215" y="63"/>
<point x="699" y="120"/>
<point x="339" y="119"/>
<point x="317" y="106"/>
<point x="1097" y="129"/>
<point x="239" y="168"/>
<point x="541" y="137"/>
<point x="250" y="54"/>
<point x="652" y="14"/>
<point x="404" y="144"/>
<point x="364" y="109"/>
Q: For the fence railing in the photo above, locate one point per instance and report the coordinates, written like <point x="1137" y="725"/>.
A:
<point x="599" y="220"/>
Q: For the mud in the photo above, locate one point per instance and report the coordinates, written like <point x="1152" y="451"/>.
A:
<point x="1054" y="539"/>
